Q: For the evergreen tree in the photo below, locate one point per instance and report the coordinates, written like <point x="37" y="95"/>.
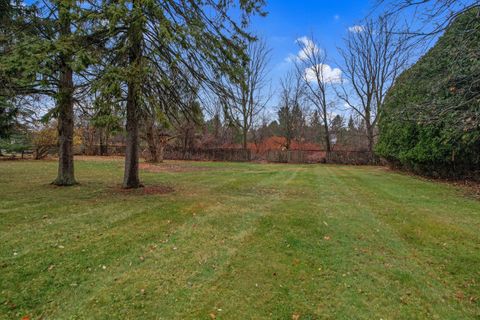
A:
<point x="431" y="122"/>
<point x="338" y="130"/>
<point x="8" y="113"/>
<point x="155" y="44"/>
<point x="50" y="46"/>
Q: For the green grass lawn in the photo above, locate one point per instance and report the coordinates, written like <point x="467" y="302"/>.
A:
<point x="236" y="241"/>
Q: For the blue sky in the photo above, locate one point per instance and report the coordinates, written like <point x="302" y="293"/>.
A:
<point x="287" y="20"/>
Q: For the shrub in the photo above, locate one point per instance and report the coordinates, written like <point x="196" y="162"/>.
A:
<point x="430" y="122"/>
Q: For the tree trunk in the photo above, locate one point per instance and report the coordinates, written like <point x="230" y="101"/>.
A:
<point x="65" y="175"/>
<point x="185" y="142"/>
<point x="327" y="135"/>
<point x="245" y="133"/>
<point x="161" y="151"/>
<point x="369" y="128"/>
<point x="131" y="178"/>
<point x="288" y="142"/>
<point x="325" y="123"/>
<point x="100" y="139"/>
<point x="107" y="136"/>
<point x="370" y="138"/>
<point x="152" y="143"/>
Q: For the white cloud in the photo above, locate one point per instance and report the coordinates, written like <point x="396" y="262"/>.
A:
<point x="330" y="75"/>
<point x="356" y="29"/>
<point x="307" y="47"/>
<point x="336" y="17"/>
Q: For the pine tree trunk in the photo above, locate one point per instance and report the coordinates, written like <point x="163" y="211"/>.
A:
<point x="65" y="175"/>
<point x="131" y="178"/>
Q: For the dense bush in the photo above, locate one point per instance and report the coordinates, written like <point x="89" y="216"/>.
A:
<point x="430" y="122"/>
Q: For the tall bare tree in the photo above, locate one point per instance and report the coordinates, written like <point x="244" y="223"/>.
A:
<point x="318" y="76"/>
<point x="373" y="56"/>
<point x="292" y="97"/>
<point x="247" y="93"/>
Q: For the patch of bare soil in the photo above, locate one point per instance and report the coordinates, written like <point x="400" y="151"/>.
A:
<point x="17" y="158"/>
<point x="171" y="167"/>
<point x="470" y="188"/>
<point x="148" y="190"/>
<point x="99" y="158"/>
<point x="157" y="190"/>
<point x="3" y="158"/>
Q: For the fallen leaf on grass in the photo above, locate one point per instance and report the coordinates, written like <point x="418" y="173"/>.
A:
<point x="295" y="316"/>
<point x="326" y="238"/>
<point x="459" y="295"/>
<point x="212" y="315"/>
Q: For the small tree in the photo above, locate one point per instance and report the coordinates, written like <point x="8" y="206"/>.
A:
<point x="17" y="142"/>
<point x="318" y="76"/>
<point x="106" y="122"/>
<point x="290" y="113"/>
<point x="155" y="129"/>
<point x="8" y="113"/>
<point x="246" y="95"/>
<point x="43" y="141"/>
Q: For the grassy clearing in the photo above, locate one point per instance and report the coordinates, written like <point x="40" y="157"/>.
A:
<point x="236" y="241"/>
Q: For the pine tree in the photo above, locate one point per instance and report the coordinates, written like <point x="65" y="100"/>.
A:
<point x="156" y="44"/>
<point x="49" y="48"/>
